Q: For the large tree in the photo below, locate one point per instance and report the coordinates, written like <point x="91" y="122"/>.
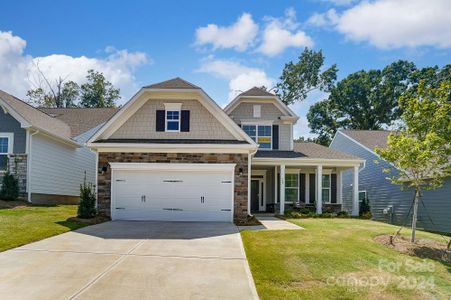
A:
<point x="420" y="149"/>
<point x="304" y="76"/>
<point x="368" y="99"/>
<point x="98" y="92"/>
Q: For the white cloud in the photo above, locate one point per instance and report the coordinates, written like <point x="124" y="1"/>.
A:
<point x="241" y="78"/>
<point x="239" y="36"/>
<point x="327" y="19"/>
<point x="340" y="2"/>
<point x="18" y="71"/>
<point x="391" y="24"/>
<point x="282" y="33"/>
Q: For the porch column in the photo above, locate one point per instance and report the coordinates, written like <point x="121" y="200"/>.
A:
<point x="275" y="184"/>
<point x="282" y="189"/>
<point x="339" y="186"/>
<point x="355" y="192"/>
<point x="319" y="189"/>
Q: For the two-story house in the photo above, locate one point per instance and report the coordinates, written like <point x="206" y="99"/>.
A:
<point x="171" y="153"/>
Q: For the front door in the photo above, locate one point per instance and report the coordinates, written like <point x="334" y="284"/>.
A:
<point x="257" y="202"/>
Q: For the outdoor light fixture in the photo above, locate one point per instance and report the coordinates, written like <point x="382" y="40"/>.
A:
<point x="241" y="171"/>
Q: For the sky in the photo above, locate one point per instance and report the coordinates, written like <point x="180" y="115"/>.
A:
<point x="225" y="47"/>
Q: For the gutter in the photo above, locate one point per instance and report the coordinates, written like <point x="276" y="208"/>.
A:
<point x="29" y="165"/>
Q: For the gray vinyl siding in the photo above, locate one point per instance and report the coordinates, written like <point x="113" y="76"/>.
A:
<point x="203" y="125"/>
<point x="382" y="193"/>
<point x="269" y="112"/>
<point x="8" y="124"/>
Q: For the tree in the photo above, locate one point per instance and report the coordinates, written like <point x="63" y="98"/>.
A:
<point x="300" y="78"/>
<point x="324" y="119"/>
<point x="98" y="92"/>
<point x="420" y="149"/>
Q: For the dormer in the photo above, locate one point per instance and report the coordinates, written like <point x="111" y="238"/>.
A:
<point x="265" y="118"/>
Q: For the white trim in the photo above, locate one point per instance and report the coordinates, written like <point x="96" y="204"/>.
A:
<point x="363" y="191"/>
<point x="257" y="122"/>
<point x="249" y="170"/>
<point x="263" y="193"/>
<point x="7" y="109"/>
<point x="319" y="189"/>
<point x="173" y="148"/>
<point x="355" y="192"/>
<point x="307" y="162"/>
<point x="328" y="201"/>
<point x="173" y="106"/>
<point x="129" y="109"/>
<point x="282" y="189"/>
<point x="307" y="188"/>
<point x="339" y="186"/>
<point x="295" y="172"/>
<point x="171" y="167"/>
<point x="97" y="179"/>
<point x="275" y="184"/>
<point x="10" y="137"/>
<point x="166" y="120"/>
<point x="257" y="111"/>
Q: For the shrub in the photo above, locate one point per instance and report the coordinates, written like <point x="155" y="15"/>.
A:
<point x="10" y="187"/>
<point x="366" y="215"/>
<point x="343" y="214"/>
<point x="306" y="210"/>
<point x="87" y="206"/>
<point x="365" y="209"/>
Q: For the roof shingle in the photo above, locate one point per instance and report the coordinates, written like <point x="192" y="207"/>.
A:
<point x="256" y="91"/>
<point x="175" y="83"/>
<point x="369" y="138"/>
<point x="81" y="120"/>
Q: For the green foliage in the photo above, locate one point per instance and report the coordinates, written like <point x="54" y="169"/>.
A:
<point x="365" y="208"/>
<point x="98" y="92"/>
<point x="300" y="78"/>
<point x="86" y="208"/>
<point x="58" y="94"/>
<point x="307" y="212"/>
<point x="10" y="187"/>
<point x="369" y="99"/>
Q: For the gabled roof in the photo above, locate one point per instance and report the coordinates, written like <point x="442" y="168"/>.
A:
<point x="175" y="83"/>
<point x="256" y="91"/>
<point x="306" y="150"/>
<point x="29" y="116"/>
<point x="257" y="94"/>
<point x="368" y="138"/>
<point x="81" y="120"/>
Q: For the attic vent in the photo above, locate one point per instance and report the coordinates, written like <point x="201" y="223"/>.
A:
<point x="257" y="111"/>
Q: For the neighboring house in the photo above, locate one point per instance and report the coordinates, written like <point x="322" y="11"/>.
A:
<point x="388" y="201"/>
<point x="47" y="151"/>
<point x="171" y="153"/>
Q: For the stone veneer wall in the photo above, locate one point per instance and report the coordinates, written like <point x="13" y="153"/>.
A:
<point x="241" y="161"/>
<point x="17" y="164"/>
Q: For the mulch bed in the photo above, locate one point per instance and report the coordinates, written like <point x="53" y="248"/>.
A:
<point x="13" y="204"/>
<point x="92" y="221"/>
<point x="422" y="248"/>
<point x="250" y="221"/>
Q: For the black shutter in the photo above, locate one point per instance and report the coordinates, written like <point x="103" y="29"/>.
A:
<point x="312" y="185"/>
<point x="302" y="187"/>
<point x="160" y="118"/>
<point x="333" y="188"/>
<point x="184" y="126"/>
<point x="278" y="187"/>
<point x="275" y="137"/>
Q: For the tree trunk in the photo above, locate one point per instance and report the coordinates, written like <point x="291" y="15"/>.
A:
<point x="415" y="213"/>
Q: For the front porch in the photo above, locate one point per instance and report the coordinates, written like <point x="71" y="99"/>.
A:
<point x="279" y="184"/>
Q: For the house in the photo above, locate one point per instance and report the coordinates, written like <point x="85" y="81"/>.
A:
<point x="171" y="153"/>
<point x="45" y="148"/>
<point x="388" y="202"/>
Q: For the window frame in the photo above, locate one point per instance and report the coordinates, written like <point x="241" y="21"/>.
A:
<point x="362" y="191"/>
<point x="257" y="125"/>
<point x="172" y="107"/>
<point x="294" y="172"/>
<point x="10" y="137"/>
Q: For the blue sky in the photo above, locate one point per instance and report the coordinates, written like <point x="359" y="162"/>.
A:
<point x="222" y="46"/>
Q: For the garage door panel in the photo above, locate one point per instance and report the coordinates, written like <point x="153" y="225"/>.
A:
<point x="173" y="195"/>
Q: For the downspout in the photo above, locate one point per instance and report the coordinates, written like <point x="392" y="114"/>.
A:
<point x="249" y="172"/>
<point x="29" y="165"/>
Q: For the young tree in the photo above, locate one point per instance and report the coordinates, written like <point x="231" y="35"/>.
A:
<point x="98" y="92"/>
<point x="420" y="149"/>
<point x="300" y="78"/>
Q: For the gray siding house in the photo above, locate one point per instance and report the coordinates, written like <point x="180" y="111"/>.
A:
<point x="389" y="203"/>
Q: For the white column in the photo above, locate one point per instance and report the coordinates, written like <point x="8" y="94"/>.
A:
<point x="275" y="184"/>
<point x="339" y="186"/>
<point x="307" y="188"/>
<point x="319" y="189"/>
<point x="282" y="189"/>
<point x="355" y="192"/>
<point x="249" y="174"/>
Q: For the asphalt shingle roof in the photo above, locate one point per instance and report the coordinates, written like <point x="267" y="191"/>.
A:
<point x="37" y="118"/>
<point x="369" y="138"/>
<point x="175" y="83"/>
<point x="81" y="120"/>
<point x="306" y="150"/>
<point x="256" y="91"/>
<point x="171" y="141"/>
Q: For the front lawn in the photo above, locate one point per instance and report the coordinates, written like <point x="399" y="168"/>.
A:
<point x="25" y="224"/>
<point x="338" y="259"/>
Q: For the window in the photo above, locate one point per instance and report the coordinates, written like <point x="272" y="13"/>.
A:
<point x="172" y="120"/>
<point x="261" y="134"/>
<point x="257" y="111"/>
<point x="291" y="188"/>
<point x="5" y="149"/>
<point x="326" y="188"/>
<point x="362" y="196"/>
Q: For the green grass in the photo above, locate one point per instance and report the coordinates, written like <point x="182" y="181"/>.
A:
<point x="322" y="261"/>
<point x="23" y="225"/>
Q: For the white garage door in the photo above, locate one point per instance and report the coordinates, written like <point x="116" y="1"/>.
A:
<point x="172" y="192"/>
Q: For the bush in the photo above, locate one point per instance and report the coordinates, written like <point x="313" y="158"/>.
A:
<point x="87" y="206"/>
<point x="365" y="209"/>
<point x="10" y="187"/>
<point x="366" y="215"/>
<point x="343" y="214"/>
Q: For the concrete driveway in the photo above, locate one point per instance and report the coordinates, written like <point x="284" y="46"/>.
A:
<point x="131" y="260"/>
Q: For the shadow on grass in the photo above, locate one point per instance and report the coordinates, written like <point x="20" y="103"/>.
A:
<point x="72" y="225"/>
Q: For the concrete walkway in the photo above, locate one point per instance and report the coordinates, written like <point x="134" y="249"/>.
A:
<point x="131" y="260"/>
<point x="271" y="223"/>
